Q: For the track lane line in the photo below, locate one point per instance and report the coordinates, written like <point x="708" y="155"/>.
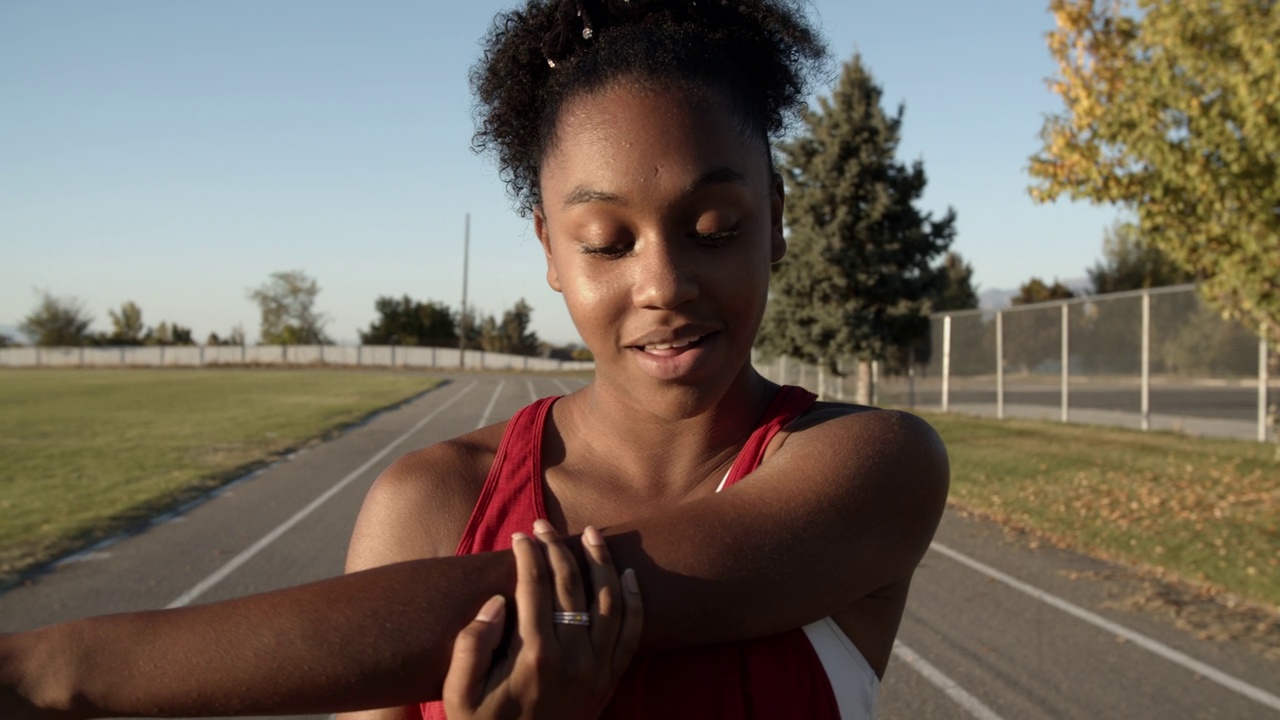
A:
<point x="533" y="394"/>
<point x="1151" y="645"/>
<point x="563" y="388"/>
<point x="247" y="554"/>
<point x="951" y="688"/>
<point x="484" y="419"/>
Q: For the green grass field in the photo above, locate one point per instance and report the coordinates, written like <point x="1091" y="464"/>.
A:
<point x="1197" y="509"/>
<point x="86" y="453"/>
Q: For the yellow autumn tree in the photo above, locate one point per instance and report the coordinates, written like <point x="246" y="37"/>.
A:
<point x="1172" y="109"/>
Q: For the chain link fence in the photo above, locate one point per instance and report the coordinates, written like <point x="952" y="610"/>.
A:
<point x="1156" y="359"/>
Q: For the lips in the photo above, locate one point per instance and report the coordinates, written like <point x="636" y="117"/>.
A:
<point x="672" y="338"/>
<point x="673" y="345"/>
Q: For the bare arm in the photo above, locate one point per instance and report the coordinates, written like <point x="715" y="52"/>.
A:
<point x="843" y="508"/>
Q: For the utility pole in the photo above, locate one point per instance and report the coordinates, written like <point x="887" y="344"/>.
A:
<point x="462" y="330"/>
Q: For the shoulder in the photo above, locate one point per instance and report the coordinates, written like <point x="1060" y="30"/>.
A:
<point x="890" y="454"/>
<point x="419" y="506"/>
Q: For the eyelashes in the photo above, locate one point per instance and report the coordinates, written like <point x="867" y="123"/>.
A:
<point x="716" y="239"/>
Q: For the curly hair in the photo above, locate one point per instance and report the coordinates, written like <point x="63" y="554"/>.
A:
<point x="761" y="54"/>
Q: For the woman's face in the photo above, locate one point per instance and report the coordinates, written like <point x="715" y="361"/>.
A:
<point x="660" y="222"/>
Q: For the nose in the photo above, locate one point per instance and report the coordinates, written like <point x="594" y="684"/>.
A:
<point x="665" y="276"/>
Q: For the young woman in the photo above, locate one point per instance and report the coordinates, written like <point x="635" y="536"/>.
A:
<point x="775" y="537"/>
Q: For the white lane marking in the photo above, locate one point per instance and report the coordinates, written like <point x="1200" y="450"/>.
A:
<point x="1178" y="657"/>
<point x="563" y="388"/>
<point x="962" y="697"/>
<point x="484" y="419"/>
<point x="533" y="394"/>
<point x="201" y="587"/>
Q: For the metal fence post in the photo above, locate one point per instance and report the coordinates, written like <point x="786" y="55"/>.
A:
<point x="911" y="377"/>
<point x="822" y="381"/>
<point x="1066" y="362"/>
<point x="999" y="364"/>
<point x="946" y="363"/>
<point x="1263" y="379"/>
<point x="1146" y="360"/>
<point x="875" y="383"/>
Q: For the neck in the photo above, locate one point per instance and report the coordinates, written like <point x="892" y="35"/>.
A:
<point x="664" y="443"/>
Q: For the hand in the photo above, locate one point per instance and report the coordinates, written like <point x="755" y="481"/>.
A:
<point x="549" y="670"/>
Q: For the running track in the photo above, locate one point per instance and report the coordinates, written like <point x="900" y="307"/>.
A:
<point x="994" y="629"/>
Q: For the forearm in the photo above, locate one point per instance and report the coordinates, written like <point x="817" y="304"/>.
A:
<point x="373" y="639"/>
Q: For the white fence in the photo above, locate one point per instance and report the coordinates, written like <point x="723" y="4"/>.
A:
<point x="373" y="356"/>
<point x="1154" y="359"/>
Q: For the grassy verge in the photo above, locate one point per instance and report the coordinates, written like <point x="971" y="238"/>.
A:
<point x="1197" y="509"/>
<point x="87" y="453"/>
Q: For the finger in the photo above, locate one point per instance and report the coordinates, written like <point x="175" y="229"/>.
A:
<point x="472" y="654"/>
<point x="606" y="592"/>
<point x="533" y="593"/>
<point x="632" y="623"/>
<point x="568" y="595"/>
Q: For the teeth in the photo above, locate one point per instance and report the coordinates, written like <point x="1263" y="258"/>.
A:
<point x="673" y="345"/>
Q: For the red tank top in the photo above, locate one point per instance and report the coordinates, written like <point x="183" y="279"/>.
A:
<point x="776" y="677"/>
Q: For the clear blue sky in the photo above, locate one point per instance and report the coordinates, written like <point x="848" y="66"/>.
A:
<point x="175" y="154"/>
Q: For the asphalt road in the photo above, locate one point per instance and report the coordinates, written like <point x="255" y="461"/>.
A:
<point x="994" y="629"/>
<point x="1226" y="403"/>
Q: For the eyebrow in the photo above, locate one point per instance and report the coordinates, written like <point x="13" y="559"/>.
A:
<point x="720" y="176"/>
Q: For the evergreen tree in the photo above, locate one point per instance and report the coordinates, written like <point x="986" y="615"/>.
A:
<point x="957" y="291"/>
<point x="1130" y="263"/>
<point x="859" y="271"/>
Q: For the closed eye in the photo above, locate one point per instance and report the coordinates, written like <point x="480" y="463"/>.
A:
<point x="718" y="238"/>
<point x="605" y="251"/>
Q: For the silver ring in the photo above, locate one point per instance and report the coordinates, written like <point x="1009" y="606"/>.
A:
<point x="571" y="618"/>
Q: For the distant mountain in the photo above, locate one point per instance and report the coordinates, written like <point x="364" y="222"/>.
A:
<point x="998" y="299"/>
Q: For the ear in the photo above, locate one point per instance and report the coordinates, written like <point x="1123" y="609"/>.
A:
<point x="540" y="229"/>
<point x="777" y="201"/>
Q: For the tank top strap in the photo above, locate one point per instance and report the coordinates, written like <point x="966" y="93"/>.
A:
<point x="789" y="403"/>
<point x="512" y="495"/>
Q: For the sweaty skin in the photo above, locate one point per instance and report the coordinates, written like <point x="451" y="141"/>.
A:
<point x="653" y="241"/>
<point x="665" y="275"/>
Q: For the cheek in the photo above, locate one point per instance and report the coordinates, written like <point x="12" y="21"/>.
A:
<point x="592" y="299"/>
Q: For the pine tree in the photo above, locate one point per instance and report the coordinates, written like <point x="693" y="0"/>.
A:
<point x="957" y="291"/>
<point x="859" y="267"/>
<point x="1130" y="263"/>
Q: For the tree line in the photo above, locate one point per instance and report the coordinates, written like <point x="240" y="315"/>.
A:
<point x="1170" y="112"/>
<point x="288" y="314"/>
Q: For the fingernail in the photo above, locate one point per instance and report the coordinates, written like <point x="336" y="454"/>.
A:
<point x="542" y="527"/>
<point x="592" y="537"/>
<point x="518" y="537"/>
<point x="492" y="609"/>
<point x="629" y="581"/>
